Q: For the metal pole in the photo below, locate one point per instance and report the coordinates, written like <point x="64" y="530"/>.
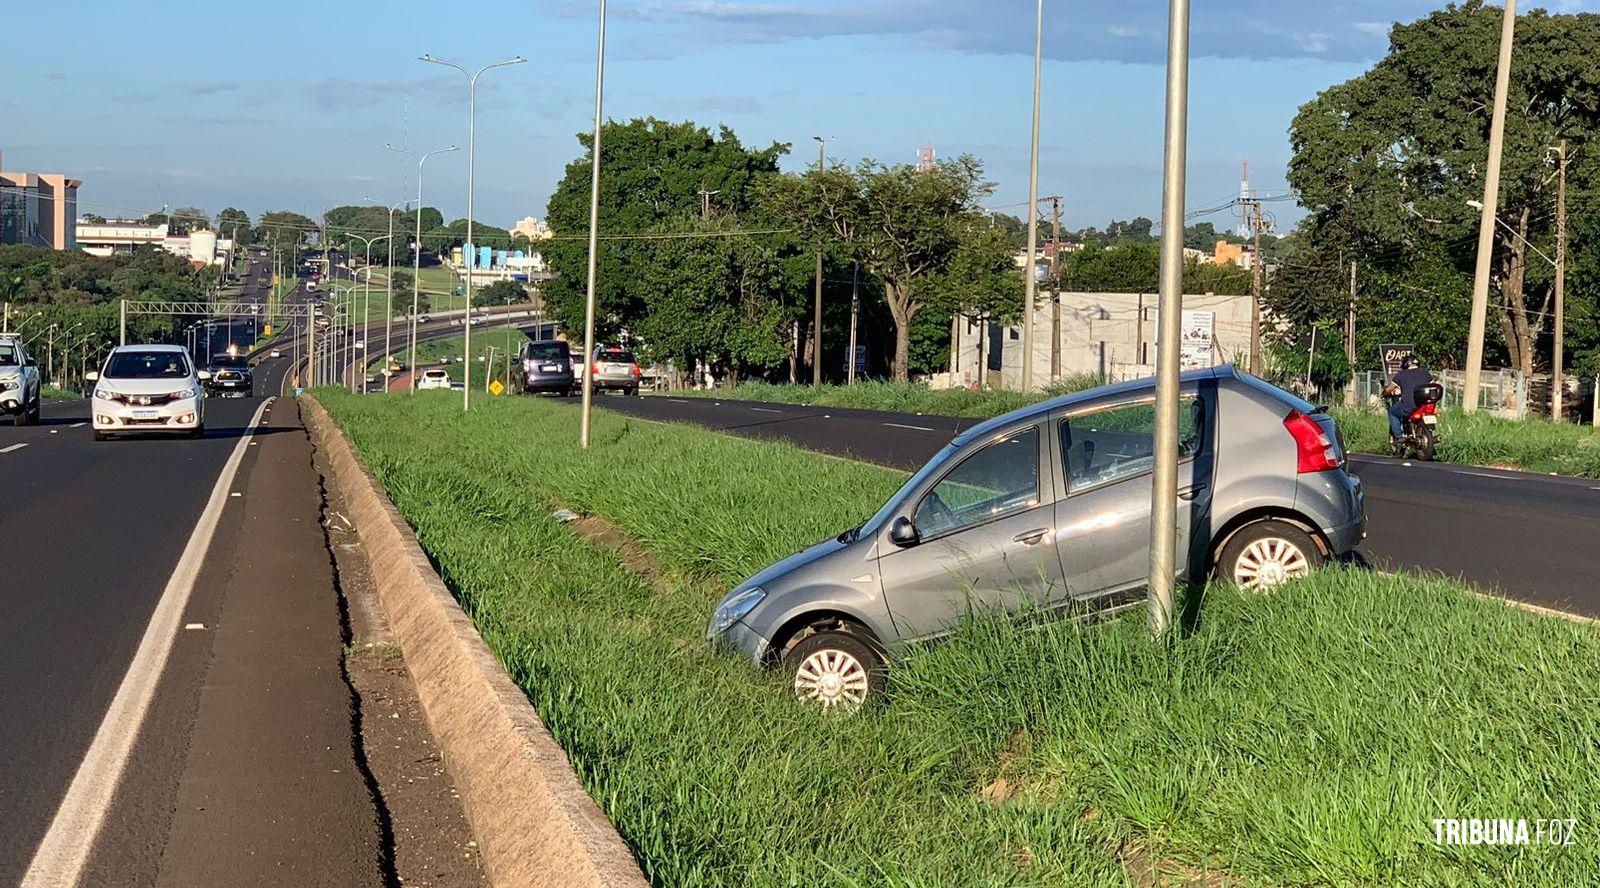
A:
<point x="594" y="233"/>
<point x="1350" y="338"/>
<point x="855" y="310"/>
<point x="122" y="322"/>
<point x="1164" y="487"/>
<point x="816" y="323"/>
<point x="388" y="302"/>
<point x="1491" y="199"/>
<point x="1055" y="287"/>
<point x="1559" y="345"/>
<point x="1030" y="285"/>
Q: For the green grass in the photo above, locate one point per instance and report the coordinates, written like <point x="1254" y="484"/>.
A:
<point x="1480" y="439"/>
<point x="50" y="391"/>
<point x="1307" y="737"/>
<point x="900" y="397"/>
<point x="502" y="338"/>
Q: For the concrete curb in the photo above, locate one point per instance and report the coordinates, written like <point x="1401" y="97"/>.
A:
<point x="534" y="823"/>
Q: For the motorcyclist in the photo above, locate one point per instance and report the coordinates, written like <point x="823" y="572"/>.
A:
<point x="1403" y="388"/>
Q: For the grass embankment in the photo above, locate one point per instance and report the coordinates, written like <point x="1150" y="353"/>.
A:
<point x="1307" y="737"/>
<point x="899" y="397"/>
<point x="431" y="351"/>
<point x="50" y="391"/>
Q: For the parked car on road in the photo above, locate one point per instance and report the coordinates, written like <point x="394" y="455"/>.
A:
<point x="433" y="379"/>
<point x="20" y="390"/>
<point x="1047" y="509"/>
<point x="547" y="367"/>
<point x="614" y="368"/>
<point x="148" y="388"/>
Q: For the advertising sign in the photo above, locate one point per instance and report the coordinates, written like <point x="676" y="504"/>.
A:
<point x="1389" y="357"/>
<point x="1199" y="340"/>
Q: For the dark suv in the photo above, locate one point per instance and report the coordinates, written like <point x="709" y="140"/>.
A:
<point x="547" y="367"/>
<point x="231" y="377"/>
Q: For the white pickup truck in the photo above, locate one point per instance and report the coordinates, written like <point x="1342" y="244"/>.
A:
<point x="19" y="382"/>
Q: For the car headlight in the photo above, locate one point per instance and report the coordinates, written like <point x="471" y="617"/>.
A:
<point x="181" y="394"/>
<point x="735" y="607"/>
<point x="9" y="383"/>
<point x="105" y="394"/>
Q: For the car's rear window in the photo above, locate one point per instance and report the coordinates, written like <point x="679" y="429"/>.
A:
<point x="545" y="351"/>
<point x="617" y="356"/>
<point x="147" y="365"/>
<point x="434" y="374"/>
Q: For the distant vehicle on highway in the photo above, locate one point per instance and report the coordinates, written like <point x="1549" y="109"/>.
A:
<point x="148" y="388"/>
<point x="423" y="319"/>
<point x="433" y="379"/>
<point x="547" y="367"/>
<point x="275" y="353"/>
<point x="231" y="377"/>
<point x="614" y="368"/>
<point x="1047" y="510"/>
<point x="19" y="382"/>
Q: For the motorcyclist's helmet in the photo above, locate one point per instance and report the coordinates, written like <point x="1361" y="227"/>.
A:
<point x="1409" y="362"/>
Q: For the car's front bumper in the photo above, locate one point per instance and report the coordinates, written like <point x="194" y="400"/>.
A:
<point x="740" y="639"/>
<point x="182" y="415"/>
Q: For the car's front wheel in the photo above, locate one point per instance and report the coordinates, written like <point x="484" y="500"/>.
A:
<point x="1267" y="553"/>
<point x="835" y="670"/>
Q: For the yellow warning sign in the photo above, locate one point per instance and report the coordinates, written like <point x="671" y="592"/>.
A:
<point x="496" y="388"/>
<point x="266" y="330"/>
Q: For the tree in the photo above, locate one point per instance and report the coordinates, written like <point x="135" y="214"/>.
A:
<point x="1387" y="161"/>
<point x="904" y="224"/>
<point x="92" y="218"/>
<point x="235" y="223"/>
<point x="191" y="218"/>
<point x="499" y="293"/>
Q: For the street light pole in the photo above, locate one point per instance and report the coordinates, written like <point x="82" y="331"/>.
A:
<point x="1491" y="197"/>
<point x="1164" y="486"/>
<point x="1030" y="285"/>
<point x="1556" y="380"/>
<point x="816" y="323"/>
<point x="388" y="301"/>
<point x="594" y="233"/>
<point x="416" y="256"/>
<point x="472" y="134"/>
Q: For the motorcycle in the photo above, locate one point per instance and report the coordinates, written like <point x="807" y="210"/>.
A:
<point x="1421" y="428"/>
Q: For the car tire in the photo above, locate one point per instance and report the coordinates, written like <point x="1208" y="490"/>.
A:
<point x="1266" y="553"/>
<point x="835" y="670"/>
<point x="32" y="413"/>
<point x="101" y="436"/>
<point x="198" y="431"/>
<point x="632" y="392"/>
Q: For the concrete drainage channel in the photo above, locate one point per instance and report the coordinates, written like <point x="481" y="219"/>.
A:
<point x="534" y="823"/>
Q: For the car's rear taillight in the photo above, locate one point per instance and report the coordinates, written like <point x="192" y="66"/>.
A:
<point x="635" y="369"/>
<point x="1314" y="451"/>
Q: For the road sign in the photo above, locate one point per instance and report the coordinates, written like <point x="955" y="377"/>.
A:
<point x="496" y="388"/>
<point x="267" y="329"/>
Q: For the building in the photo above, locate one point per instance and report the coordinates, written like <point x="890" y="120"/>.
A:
<point x="1110" y="335"/>
<point x="1233" y="254"/>
<point x="122" y="237"/>
<point x="38" y="209"/>
<point x="532" y="229"/>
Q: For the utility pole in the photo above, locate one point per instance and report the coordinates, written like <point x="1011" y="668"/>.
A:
<point x="1491" y="200"/>
<point x="1164" y="477"/>
<point x="855" y="312"/>
<point x="1350" y="337"/>
<point x="594" y="233"/>
<point x="1055" y="283"/>
<point x="1556" y="380"/>
<point x="816" y="323"/>
<point x="1030" y="283"/>
<point x="122" y="322"/>
<point x="1258" y="276"/>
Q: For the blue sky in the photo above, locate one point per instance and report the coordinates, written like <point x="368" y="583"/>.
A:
<point x="288" y="104"/>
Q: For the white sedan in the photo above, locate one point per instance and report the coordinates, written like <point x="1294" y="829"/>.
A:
<point x="148" y="388"/>
<point x="433" y="379"/>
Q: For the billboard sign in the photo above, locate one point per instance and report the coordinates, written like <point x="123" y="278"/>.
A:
<point x="1389" y="357"/>
<point x="1199" y="342"/>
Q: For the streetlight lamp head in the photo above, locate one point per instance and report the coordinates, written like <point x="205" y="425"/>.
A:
<point x="1475" y="204"/>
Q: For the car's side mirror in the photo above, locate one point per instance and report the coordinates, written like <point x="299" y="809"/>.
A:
<point x="30" y="362"/>
<point x="903" y="533"/>
<point x="203" y="375"/>
<point x="92" y="376"/>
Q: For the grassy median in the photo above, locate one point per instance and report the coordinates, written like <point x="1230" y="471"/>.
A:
<point x="1307" y="737"/>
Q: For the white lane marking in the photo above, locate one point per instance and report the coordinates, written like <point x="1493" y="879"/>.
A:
<point x="77" y="425"/>
<point x="1485" y="475"/>
<point x="13" y="447"/>
<point x="766" y="410"/>
<point x="902" y="426"/>
<point x="58" y="861"/>
<point x="677" y="400"/>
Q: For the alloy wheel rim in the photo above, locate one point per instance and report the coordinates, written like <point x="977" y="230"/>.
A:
<point x="832" y="678"/>
<point x="1269" y="561"/>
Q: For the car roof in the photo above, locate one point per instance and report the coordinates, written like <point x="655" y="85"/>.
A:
<point x="152" y="347"/>
<point x="1104" y="392"/>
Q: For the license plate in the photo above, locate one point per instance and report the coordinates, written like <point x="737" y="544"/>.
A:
<point x="551" y="368"/>
<point x="1430" y="420"/>
<point x="147" y="414"/>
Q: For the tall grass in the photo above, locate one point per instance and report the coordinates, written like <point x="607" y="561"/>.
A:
<point x="902" y="397"/>
<point x="1481" y="439"/>
<point x="1308" y="737"/>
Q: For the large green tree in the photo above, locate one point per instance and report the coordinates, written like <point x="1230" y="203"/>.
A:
<point x="907" y="226"/>
<point x="1388" y="161"/>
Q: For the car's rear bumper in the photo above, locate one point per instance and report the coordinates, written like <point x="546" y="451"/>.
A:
<point x="552" y="383"/>
<point x="174" y="416"/>
<point x="616" y="382"/>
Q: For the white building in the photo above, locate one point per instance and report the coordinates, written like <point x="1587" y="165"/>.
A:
<point x="532" y="229"/>
<point x="1111" y="335"/>
<point x="117" y="237"/>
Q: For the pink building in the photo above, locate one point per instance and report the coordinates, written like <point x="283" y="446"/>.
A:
<point x="39" y="209"/>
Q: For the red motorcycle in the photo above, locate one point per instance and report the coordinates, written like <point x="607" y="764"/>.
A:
<point x="1421" y="428"/>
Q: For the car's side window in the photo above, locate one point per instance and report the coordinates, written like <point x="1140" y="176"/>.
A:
<point x="998" y="480"/>
<point x="1119" y="442"/>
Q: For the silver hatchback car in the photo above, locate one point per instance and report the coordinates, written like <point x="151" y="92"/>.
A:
<point x="1048" y="509"/>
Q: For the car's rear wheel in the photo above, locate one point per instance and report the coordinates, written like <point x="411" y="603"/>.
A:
<point x="1267" y="553"/>
<point x="835" y="670"/>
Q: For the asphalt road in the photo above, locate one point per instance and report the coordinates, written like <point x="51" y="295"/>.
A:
<point x="1531" y="537"/>
<point x="244" y="769"/>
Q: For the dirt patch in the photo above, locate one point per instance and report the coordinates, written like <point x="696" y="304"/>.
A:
<point x="633" y="556"/>
<point x="1146" y="870"/>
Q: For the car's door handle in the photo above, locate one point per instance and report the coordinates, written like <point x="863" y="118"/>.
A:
<point x="1188" y="493"/>
<point x="1029" y="537"/>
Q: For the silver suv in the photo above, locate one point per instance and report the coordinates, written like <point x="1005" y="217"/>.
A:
<point x="1047" y="509"/>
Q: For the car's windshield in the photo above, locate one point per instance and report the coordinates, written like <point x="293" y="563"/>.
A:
<point x="147" y="365"/>
<point x="891" y="505"/>
<point x="545" y="351"/>
<point x="8" y="355"/>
